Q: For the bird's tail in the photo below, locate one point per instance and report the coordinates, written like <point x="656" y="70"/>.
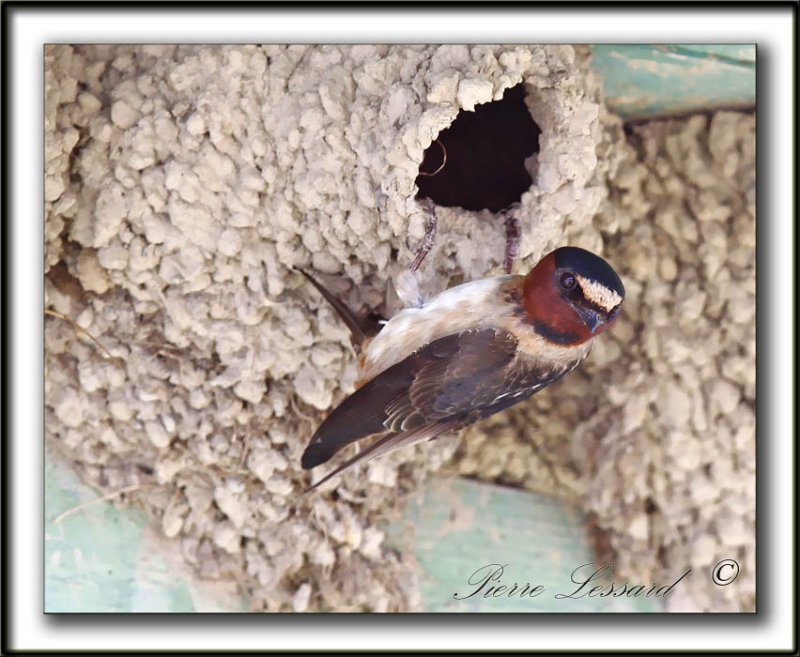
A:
<point x="360" y="328"/>
<point x="388" y="443"/>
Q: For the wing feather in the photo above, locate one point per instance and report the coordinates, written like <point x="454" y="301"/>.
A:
<point x="449" y="383"/>
<point x="366" y="411"/>
<point x="384" y="445"/>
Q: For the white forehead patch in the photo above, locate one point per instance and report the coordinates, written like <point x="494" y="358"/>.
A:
<point x="599" y="294"/>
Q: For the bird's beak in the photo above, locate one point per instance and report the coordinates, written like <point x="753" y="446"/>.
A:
<point x="593" y="320"/>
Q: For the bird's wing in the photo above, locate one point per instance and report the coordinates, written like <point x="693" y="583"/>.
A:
<point x="386" y="444"/>
<point x="449" y="383"/>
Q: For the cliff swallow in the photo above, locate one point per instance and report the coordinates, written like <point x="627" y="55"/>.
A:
<point x="468" y="353"/>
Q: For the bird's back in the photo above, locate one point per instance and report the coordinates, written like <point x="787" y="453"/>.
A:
<point x="471" y="305"/>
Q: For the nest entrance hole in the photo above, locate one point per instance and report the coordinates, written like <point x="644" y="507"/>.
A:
<point x="478" y="163"/>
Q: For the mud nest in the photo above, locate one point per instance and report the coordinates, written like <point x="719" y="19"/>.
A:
<point x="183" y="184"/>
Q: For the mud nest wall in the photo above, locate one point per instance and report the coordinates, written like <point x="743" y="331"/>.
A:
<point x="183" y="184"/>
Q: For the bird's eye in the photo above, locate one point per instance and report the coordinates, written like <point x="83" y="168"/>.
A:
<point x="567" y="281"/>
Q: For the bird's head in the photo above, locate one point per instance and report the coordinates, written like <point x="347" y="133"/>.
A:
<point x="572" y="295"/>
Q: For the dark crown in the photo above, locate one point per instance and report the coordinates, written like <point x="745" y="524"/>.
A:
<point x="587" y="264"/>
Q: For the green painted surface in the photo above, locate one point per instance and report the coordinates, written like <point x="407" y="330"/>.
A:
<point x="457" y="527"/>
<point x="641" y="81"/>
<point x="104" y="559"/>
<point x="89" y="556"/>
